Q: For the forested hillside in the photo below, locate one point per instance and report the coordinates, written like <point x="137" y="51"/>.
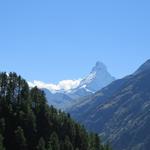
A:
<point x="27" y="122"/>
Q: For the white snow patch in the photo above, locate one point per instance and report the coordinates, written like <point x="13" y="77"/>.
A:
<point x="63" y="85"/>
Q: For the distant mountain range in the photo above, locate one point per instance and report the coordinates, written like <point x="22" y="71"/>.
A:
<point x="64" y="94"/>
<point x="120" y="112"/>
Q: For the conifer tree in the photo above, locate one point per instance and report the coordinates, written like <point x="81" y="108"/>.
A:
<point x="67" y="144"/>
<point x="54" y="141"/>
<point x="20" y="139"/>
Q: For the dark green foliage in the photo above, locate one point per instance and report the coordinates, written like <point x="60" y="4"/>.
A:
<point x="2" y="125"/>
<point x="1" y="143"/>
<point x="94" y="142"/>
<point x="67" y="145"/>
<point x="41" y="144"/>
<point x="49" y="146"/>
<point x="28" y="123"/>
<point x="54" y="141"/>
<point x="20" y="139"/>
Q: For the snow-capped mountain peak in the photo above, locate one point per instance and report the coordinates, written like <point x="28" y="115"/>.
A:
<point x="64" y="93"/>
<point x="98" y="78"/>
<point x="95" y="80"/>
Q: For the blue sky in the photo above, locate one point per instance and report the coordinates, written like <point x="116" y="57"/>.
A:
<point x="55" y="40"/>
